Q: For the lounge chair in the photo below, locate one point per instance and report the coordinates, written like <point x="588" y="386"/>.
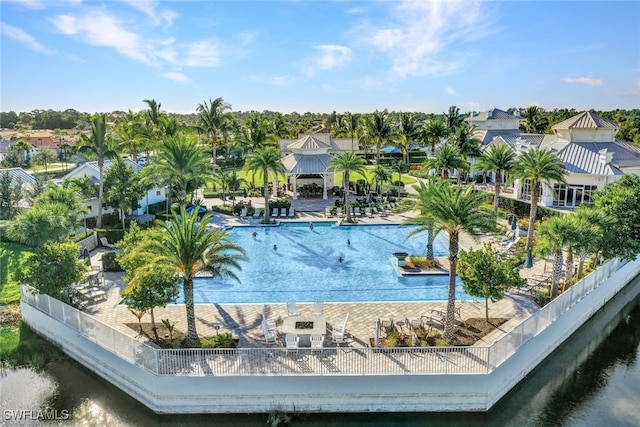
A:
<point x="339" y="331"/>
<point x="243" y="213"/>
<point x="256" y="213"/>
<point x="283" y="212"/>
<point x="339" y="213"/>
<point x="413" y="323"/>
<point x="386" y="325"/>
<point x="367" y="212"/>
<point x="274" y="212"/>
<point x="317" y="308"/>
<point x="292" y="309"/>
<point x="104" y="242"/>
<point x="270" y="337"/>
<point x="292" y="212"/>
<point x="327" y="212"/>
<point x="292" y="342"/>
<point x="268" y="326"/>
<point x="375" y="210"/>
<point x="317" y="342"/>
<point x="356" y="211"/>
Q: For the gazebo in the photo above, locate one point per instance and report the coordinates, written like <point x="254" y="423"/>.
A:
<point x="306" y="163"/>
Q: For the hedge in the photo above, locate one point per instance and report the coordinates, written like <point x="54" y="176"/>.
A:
<point x="113" y="235"/>
<point x="109" y="262"/>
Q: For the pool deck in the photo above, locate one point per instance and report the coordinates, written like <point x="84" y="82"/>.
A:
<point x="244" y="320"/>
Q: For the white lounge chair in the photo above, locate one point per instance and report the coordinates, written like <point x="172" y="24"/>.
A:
<point x="339" y="213"/>
<point x="274" y="212"/>
<point x="283" y="211"/>
<point x="317" y="308"/>
<point x="268" y="326"/>
<point x="327" y="212"/>
<point x="256" y="213"/>
<point x="292" y="342"/>
<point x="292" y="309"/>
<point x="356" y="211"/>
<point x="270" y="337"/>
<point x="339" y="331"/>
<point x="104" y="242"/>
<point x="386" y="325"/>
<point x="292" y="212"/>
<point x="317" y="342"/>
<point x="243" y="213"/>
<point x="367" y="212"/>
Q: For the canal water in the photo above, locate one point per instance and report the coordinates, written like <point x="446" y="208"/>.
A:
<point x="593" y="379"/>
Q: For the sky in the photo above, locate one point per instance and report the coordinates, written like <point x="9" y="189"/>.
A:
<point x="319" y="55"/>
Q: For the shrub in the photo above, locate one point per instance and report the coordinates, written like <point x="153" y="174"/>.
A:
<point x="113" y="235"/>
<point x="4" y="232"/>
<point x="109" y="262"/>
<point x="224" y="340"/>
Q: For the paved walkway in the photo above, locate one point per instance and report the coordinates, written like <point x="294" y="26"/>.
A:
<point x="244" y="320"/>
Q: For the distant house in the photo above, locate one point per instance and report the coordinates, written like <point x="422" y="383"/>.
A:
<point x="306" y="160"/>
<point x="22" y="176"/>
<point x="91" y="170"/>
<point x="591" y="154"/>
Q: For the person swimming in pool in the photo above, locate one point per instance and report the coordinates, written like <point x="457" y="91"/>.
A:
<point x="254" y="234"/>
<point x="275" y="247"/>
<point x="340" y="259"/>
<point x="349" y="242"/>
<point x="311" y="226"/>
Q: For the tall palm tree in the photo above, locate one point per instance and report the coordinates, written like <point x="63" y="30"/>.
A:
<point x="554" y="236"/>
<point x="603" y="224"/>
<point x="453" y="119"/>
<point x="498" y="159"/>
<point x="407" y="130"/>
<point x="538" y="166"/>
<point x="379" y="130"/>
<point x="181" y="164"/>
<point x="534" y="122"/>
<point x="98" y="145"/>
<point x="463" y="136"/>
<point x="347" y="162"/>
<point x="433" y="132"/>
<point x="424" y="220"/>
<point x="350" y="123"/>
<point x="210" y="119"/>
<point x="129" y="134"/>
<point x="265" y="159"/>
<point x="190" y="248"/>
<point x="380" y="175"/>
<point x="446" y="158"/>
<point x="330" y="122"/>
<point x="455" y="210"/>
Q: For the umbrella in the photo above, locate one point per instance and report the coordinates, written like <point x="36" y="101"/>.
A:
<point x="514" y="223"/>
<point x="528" y="263"/>
<point x="87" y="257"/>
<point x="244" y="193"/>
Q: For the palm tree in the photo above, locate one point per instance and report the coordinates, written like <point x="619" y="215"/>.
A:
<point x="181" y="164"/>
<point x="190" y="248"/>
<point x="98" y="145"/>
<point x="265" y="159"/>
<point x="603" y="225"/>
<point x="455" y="210"/>
<point x="446" y="158"/>
<point x="538" y="166"/>
<point x="347" y="162"/>
<point x="350" y="123"/>
<point x="407" y="130"/>
<point x="433" y="131"/>
<point x="379" y="130"/>
<point x="400" y="167"/>
<point x="498" y="159"/>
<point x="424" y="220"/>
<point x="380" y="174"/>
<point x="554" y="236"/>
<point x="330" y="122"/>
<point x="210" y="120"/>
<point x="463" y="136"/>
<point x="130" y="135"/>
<point x="534" y="122"/>
<point x="453" y="119"/>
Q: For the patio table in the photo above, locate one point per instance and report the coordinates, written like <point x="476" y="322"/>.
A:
<point x="304" y="326"/>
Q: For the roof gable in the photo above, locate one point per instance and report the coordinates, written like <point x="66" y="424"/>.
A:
<point x="19" y="173"/>
<point x="586" y="120"/>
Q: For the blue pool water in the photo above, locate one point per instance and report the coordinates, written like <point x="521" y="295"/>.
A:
<point x="306" y="267"/>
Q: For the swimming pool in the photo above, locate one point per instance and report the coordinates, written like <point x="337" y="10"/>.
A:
<point x="306" y="266"/>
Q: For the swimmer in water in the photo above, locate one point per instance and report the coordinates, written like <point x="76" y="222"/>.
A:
<point x="340" y="259"/>
<point x="254" y="234"/>
<point x="348" y="242"/>
<point x="311" y="226"/>
<point x="275" y="247"/>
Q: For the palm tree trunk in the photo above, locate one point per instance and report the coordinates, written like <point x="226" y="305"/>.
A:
<point x="192" y="333"/>
<point x="535" y="190"/>
<point x="214" y="147"/>
<point x="449" y="320"/>
<point x="569" y="273"/>
<point x="557" y="271"/>
<point x="431" y="237"/>
<point x="583" y="258"/>
<point x="496" y="192"/>
<point x="347" y="204"/>
<point x="100" y="194"/>
<point x="153" y="324"/>
<point x="266" y="195"/>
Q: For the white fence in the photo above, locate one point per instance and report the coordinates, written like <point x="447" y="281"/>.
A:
<point x="329" y="361"/>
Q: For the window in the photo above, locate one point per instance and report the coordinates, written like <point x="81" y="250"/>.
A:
<point x="525" y="194"/>
<point x="572" y="195"/>
<point x="157" y="192"/>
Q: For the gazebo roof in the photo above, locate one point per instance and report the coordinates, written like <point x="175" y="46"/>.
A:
<point x="309" y="143"/>
<point x="306" y="164"/>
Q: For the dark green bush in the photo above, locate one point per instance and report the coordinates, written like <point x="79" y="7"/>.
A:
<point x="113" y="235"/>
<point x="224" y="340"/>
<point x="109" y="262"/>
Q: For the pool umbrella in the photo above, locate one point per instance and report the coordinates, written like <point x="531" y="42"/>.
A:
<point x="244" y="193"/>
<point x="514" y="223"/>
<point x="87" y="257"/>
<point x="528" y="263"/>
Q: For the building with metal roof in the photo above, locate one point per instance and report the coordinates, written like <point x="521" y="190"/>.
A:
<point x="493" y="123"/>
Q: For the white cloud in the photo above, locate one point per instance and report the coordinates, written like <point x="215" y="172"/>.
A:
<point x="329" y="57"/>
<point x="203" y="53"/>
<point x="451" y="91"/>
<point x="177" y="77"/>
<point x="99" y="28"/>
<point x="22" y="37"/>
<point x="148" y="7"/>
<point x="418" y="37"/>
<point x="587" y="81"/>
<point x="29" y="4"/>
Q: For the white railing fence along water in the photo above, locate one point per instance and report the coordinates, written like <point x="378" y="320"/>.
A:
<point x="329" y="361"/>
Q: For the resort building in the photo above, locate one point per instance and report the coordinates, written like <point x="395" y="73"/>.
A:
<point x="591" y="154"/>
<point x="90" y="169"/>
<point x="306" y="160"/>
<point x="489" y="124"/>
<point x="20" y="176"/>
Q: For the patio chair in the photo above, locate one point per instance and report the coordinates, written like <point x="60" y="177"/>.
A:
<point x="292" y="212"/>
<point x="339" y="213"/>
<point x="367" y="212"/>
<point x="317" y="342"/>
<point x="274" y="212"/>
<point x="413" y="323"/>
<point x="104" y="242"/>
<point x="256" y="213"/>
<point x="317" y="308"/>
<point x="327" y="212"/>
<point x="268" y="326"/>
<point x="339" y="331"/>
<point x="292" y="342"/>
<point x="243" y="213"/>
<point x="386" y="325"/>
<point x="356" y="211"/>
<point x="292" y="309"/>
<point x="270" y="337"/>
<point x="283" y="211"/>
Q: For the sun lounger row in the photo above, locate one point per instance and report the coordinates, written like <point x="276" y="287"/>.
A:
<point x="356" y="211"/>
<point x="282" y="212"/>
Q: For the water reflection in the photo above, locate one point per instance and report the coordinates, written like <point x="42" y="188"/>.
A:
<point x="593" y="379"/>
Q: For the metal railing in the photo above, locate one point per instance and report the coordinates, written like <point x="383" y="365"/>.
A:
<point x="328" y="361"/>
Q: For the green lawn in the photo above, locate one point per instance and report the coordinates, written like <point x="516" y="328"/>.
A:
<point x="12" y="255"/>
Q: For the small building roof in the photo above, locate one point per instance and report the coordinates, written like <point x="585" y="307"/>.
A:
<point x="493" y="114"/>
<point x="308" y="143"/>
<point x="306" y="164"/>
<point x="586" y="120"/>
<point x="91" y="168"/>
<point x="19" y="173"/>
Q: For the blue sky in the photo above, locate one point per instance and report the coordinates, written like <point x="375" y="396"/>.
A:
<point x="319" y="56"/>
